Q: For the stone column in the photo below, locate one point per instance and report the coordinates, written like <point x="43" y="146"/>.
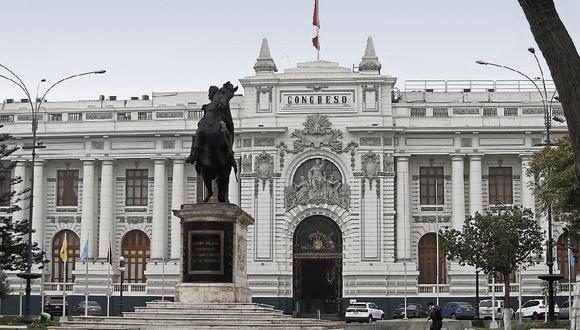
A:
<point x="403" y="208"/>
<point x="88" y="207"/>
<point x="528" y="200"/>
<point x="475" y="198"/>
<point x="107" y="223"/>
<point x="20" y="172"/>
<point x="457" y="192"/>
<point x="159" y="225"/>
<point x="177" y="199"/>
<point x="38" y="202"/>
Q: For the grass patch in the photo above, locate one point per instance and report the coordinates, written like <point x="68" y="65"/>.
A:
<point x="17" y="320"/>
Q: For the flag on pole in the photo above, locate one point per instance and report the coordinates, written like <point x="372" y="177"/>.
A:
<point x="85" y="252"/>
<point x="64" y="250"/>
<point x="316" y="25"/>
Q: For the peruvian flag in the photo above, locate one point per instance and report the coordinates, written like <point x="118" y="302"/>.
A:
<point x="316" y="25"/>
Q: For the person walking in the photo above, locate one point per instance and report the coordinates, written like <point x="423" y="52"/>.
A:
<point x="435" y="316"/>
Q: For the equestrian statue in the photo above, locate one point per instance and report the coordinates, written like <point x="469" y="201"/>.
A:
<point x="212" y="144"/>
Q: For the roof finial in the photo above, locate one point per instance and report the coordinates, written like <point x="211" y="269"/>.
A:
<point x="264" y="62"/>
<point x="370" y="61"/>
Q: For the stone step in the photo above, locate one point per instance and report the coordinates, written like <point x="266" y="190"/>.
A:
<point x="189" y="316"/>
<point x="200" y="325"/>
<point x="194" y="327"/>
<point x="184" y="320"/>
<point x="159" y="304"/>
<point x="207" y="311"/>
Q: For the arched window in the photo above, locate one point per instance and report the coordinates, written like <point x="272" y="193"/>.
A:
<point x="135" y="248"/>
<point x="73" y="246"/>
<point x="428" y="260"/>
<point x="562" y="245"/>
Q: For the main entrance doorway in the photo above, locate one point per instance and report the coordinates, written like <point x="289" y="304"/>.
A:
<point x="317" y="267"/>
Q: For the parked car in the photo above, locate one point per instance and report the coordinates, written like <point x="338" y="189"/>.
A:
<point x="565" y="310"/>
<point x="363" y="312"/>
<point x="458" y="310"/>
<point x="485" y="309"/>
<point x="535" y="309"/>
<point x="413" y="310"/>
<point x="93" y="308"/>
<point x="53" y="305"/>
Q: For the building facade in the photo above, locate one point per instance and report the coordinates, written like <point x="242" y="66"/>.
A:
<point x="347" y="177"/>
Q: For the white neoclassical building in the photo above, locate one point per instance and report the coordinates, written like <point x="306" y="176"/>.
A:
<point x="347" y="177"/>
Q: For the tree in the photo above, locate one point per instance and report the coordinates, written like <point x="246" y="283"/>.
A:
<point x="556" y="186"/>
<point x="562" y="58"/>
<point x="496" y="242"/>
<point x="13" y="234"/>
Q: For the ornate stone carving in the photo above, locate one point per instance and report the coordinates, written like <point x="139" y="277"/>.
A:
<point x="168" y="144"/>
<point x="247" y="164"/>
<point x="316" y="134"/>
<point x="431" y="218"/>
<point x="242" y="254"/>
<point x="371" y="166"/>
<point x="66" y="219"/>
<point x="264" y="167"/>
<point x="389" y="163"/>
<point x="98" y="145"/>
<point x="318" y="188"/>
<point x="264" y="142"/>
<point x="372" y="141"/>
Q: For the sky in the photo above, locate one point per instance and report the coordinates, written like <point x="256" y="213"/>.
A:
<point x="187" y="45"/>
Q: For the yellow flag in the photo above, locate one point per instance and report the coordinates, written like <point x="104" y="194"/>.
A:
<point x="64" y="250"/>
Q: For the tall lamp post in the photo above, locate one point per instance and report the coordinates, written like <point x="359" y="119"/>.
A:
<point x="122" y="270"/>
<point x="35" y="108"/>
<point x="550" y="277"/>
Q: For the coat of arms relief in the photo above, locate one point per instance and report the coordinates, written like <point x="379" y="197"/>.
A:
<point x="317" y="181"/>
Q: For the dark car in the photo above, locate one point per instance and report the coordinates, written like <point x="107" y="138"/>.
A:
<point x="413" y="310"/>
<point x="93" y="308"/>
<point x="53" y="305"/>
<point x="458" y="310"/>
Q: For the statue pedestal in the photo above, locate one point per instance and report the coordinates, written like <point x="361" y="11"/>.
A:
<point x="213" y="258"/>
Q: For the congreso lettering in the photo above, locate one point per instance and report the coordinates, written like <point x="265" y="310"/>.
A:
<point x="316" y="99"/>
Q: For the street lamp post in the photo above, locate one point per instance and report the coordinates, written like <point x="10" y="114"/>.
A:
<point x="550" y="277"/>
<point x="35" y="107"/>
<point x="122" y="270"/>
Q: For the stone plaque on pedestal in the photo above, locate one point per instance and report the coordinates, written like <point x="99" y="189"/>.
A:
<point x="213" y="258"/>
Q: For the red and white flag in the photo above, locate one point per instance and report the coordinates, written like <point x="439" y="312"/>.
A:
<point x="316" y="25"/>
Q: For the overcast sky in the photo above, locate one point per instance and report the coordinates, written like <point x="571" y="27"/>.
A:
<point x="188" y="45"/>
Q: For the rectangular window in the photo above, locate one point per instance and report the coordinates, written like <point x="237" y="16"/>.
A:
<point x="500" y="185"/>
<point x="55" y="117"/>
<point x="123" y="116"/>
<point x="144" y="115"/>
<point x="510" y="112"/>
<point x="431" y="178"/>
<point x="136" y="188"/>
<point x="75" y="116"/>
<point x="418" y="112"/>
<point x="440" y="112"/>
<point x="67" y="192"/>
<point x="5" y="179"/>
<point x="489" y="112"/>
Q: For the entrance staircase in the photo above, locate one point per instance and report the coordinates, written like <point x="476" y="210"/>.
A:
<point x="187" y="316"/>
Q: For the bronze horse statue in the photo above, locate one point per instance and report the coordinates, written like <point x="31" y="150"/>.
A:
<point x="212" y="145"/>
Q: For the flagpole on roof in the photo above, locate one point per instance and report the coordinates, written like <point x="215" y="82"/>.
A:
<point x="316" y="28"/>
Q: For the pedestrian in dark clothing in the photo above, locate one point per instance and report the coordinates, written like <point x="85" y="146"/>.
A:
<point x="435" y="316"/>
